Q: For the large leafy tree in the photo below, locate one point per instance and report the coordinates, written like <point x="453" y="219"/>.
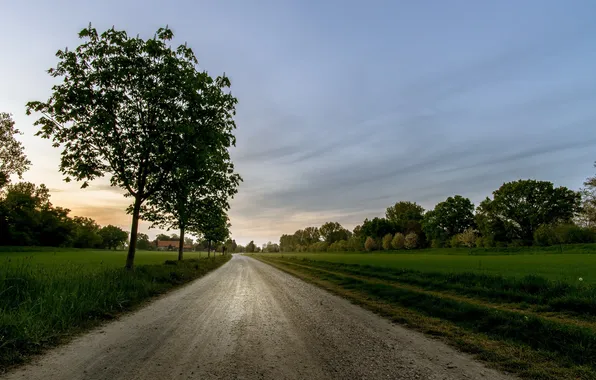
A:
<point x="377" y="228"/>
<point x="143" y="241"/>
<point x="288" y="243"/>
<point x="86" y="233"/>
<point x="405" y="216"/>
<point x="333" y="231"/>
<point x="200" y="182"/>
<point x="307" y="236"/>
<point x="452" y="216"/>
<point x="112" y="236"/>
<point x="12" y="155"/>
<point x="250" y="247"/>
<point x="213" y="225"/>
<point x="162" y="237"/>
<point x="518" y="208"/>
<point x="130" y="108"/>
<point x="27" y="217"/>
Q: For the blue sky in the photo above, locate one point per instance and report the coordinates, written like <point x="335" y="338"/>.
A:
<point x="346" y="107"/>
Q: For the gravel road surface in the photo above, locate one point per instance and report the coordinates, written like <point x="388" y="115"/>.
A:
<point x="248" y="320"/>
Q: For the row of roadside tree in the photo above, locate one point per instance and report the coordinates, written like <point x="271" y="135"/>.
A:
<point x="141" y="113"/>
<point x="520" y="213"/>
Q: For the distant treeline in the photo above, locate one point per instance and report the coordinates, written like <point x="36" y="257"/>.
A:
<point x="28" y="218"/>
<point x="520" y="213"/>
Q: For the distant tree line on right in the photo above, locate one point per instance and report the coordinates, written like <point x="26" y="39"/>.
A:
<point x="520" y="213"/>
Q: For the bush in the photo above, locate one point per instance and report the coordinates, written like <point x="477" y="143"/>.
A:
<point x="519" y="243"/>
<point x="488" y="242"/>
<point x="438" y="243"/>
<point x="342" y="245"/>
<point x="572" y="234"/>
<point x="467" y="238"/>
<point x="454" y="242"/>
<point x="370" y="244"/>
<point x="479" y="242"/>
<point x="354" y="244"/>
<point x="548" y="234"/>
<point x="320" y="246"/>
<point x="545" y="235"/>
<point x="386" y="243"/>
<point x="398" y="241"/>
<point x="411" y="241"/>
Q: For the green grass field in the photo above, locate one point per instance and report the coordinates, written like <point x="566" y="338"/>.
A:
<point x="568" y="266"/>
<point x="87" y="257"/>
<point x="47" y="295"/>
<point x="521" y="310"/>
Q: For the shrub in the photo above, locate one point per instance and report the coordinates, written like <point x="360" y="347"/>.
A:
<point x="370" y="244"/>
<point x="479" y="242"/>
<point x="342" y="245"/>
<point x="516" y="243"/>
<point x="354" y="244"/>
<point x="544" y="235"/>
<point x="411" y="241"/>
<point x="398" y="241"/>
<point x="437" y="243"/>
<point x="548" y="234"/>
<point x="488" y="242"/>
<point x="320" y="246"/>
<point x="467" y="238"/>
<point x="572" y="234"/>
<point x="386" y="243"/>
<point x="454" y="242"/>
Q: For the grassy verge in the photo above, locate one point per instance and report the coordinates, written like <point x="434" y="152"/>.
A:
<point x="545" y="295"/>
<point x="42" y="305"/>
<point x="531" y="344"/>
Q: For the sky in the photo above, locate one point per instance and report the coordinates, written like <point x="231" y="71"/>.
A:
<point x="345" y="107"/>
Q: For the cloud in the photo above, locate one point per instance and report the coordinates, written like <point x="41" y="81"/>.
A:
<point x="338" y="119"/>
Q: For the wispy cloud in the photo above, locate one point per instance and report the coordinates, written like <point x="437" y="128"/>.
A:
<point x="346" y="107"/>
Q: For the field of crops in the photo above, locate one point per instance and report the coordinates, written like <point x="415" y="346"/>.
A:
<point x="527" y="311"/>
<point x="48" y="294"/>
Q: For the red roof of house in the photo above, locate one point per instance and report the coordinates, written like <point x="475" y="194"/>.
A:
<point x="173" y="243"/>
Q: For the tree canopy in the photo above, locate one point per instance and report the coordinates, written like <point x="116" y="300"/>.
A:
<point x="403" y="213"/>
<point x="452" y="216"/>
<point x="12" y="155"/>
<point x="133" y="109"/>
<point x="518" y="208"/>
<point x="113" y="237"/>
<point x="333" y="231"/>
<point x="377" y="228"/>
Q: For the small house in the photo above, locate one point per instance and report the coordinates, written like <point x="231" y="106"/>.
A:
<point x="171" y="245"/>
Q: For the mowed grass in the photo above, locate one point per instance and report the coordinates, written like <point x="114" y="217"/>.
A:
<point x="88" y="257"/>
<point x="569" y="267"/>
<point x="523" y="311"/>
<point x="47" y="295"/>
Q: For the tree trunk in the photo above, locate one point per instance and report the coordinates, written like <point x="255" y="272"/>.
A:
<point x="208" y="248"/>
<point x="130" y="258"/>
<point x="181" y="244"/>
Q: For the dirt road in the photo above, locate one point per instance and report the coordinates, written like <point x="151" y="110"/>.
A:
<point x="248" y="320"/>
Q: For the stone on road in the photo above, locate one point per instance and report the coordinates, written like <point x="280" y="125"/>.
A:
<point x="248" y="320"/>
